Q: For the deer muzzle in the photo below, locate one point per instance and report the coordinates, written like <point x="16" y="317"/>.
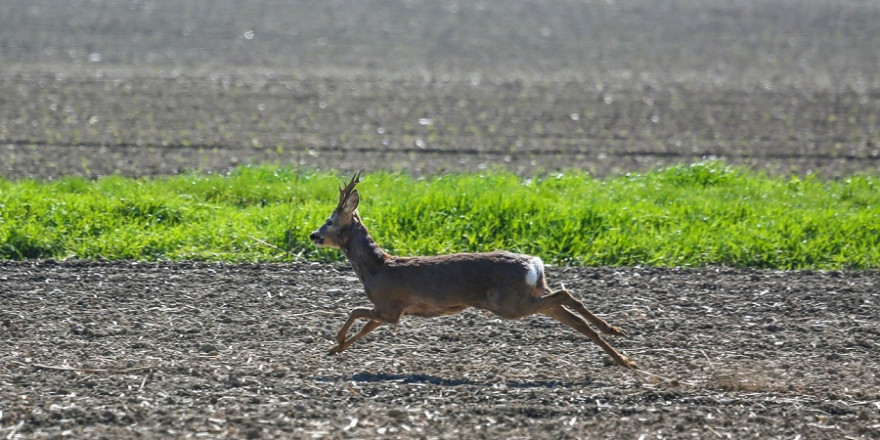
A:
<point x="316" y="238"/>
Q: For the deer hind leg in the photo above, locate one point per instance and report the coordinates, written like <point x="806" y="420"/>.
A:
<point x="523" y="303"/>
<point x="576" y="322"/>
<point x="563" y="297"/>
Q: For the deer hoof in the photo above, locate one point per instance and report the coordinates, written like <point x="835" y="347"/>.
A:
<point x="626" y="363"/>
<point x="617" y="331"/>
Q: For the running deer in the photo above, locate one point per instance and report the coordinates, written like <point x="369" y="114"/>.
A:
<point x="506" y="284"/>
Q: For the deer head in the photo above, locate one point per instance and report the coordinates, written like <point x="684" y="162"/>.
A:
<point x="335" y="232"/>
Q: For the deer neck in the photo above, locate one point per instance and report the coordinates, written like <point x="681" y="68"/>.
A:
<point x="365" y="255"/>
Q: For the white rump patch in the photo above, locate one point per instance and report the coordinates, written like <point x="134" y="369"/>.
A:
<point x="536" y="270"/>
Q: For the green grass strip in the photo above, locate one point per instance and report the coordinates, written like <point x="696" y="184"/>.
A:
<point x="689" y="215"/>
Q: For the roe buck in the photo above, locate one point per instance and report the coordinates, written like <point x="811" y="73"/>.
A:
<point x="507" y="284"/>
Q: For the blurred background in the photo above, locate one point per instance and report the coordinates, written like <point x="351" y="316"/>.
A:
<point x="96" y="87"/>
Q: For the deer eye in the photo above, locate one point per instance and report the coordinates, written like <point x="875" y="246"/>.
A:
<point x="329" y="222"/>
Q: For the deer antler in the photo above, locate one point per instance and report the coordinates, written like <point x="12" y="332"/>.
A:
<point x="345" y="192"/>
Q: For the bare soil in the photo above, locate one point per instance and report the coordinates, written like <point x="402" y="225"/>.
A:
<point x="154" y="88"/>
<point x="127" y="349"/>
<point x="120" y="122"/>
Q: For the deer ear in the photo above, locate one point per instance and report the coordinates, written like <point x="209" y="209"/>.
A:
<point x="351" y="203"/>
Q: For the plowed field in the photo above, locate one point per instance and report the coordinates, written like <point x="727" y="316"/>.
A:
<point x="184" y="350"/>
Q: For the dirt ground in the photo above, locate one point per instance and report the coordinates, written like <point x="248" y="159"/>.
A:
<point x="184" y="350"/>
<point x="149" y="88"/>
<point x="118" y="121"/>
<point x="126" y="349"/>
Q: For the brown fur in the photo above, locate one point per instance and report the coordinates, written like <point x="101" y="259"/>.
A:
<point x="446" y="284"/>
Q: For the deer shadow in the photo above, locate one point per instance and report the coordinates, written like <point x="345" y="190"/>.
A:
<point x="417" y="378"/>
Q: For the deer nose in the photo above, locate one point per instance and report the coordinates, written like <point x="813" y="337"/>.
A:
<point x="314" y="236"/>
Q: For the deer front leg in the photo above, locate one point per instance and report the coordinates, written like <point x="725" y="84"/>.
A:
<point x="368" y="327"/>
<point x="358" y="313"/>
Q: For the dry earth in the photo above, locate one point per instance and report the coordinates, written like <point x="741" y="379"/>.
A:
<point x="145" y="88"/>
<point x="126" y="349"/>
